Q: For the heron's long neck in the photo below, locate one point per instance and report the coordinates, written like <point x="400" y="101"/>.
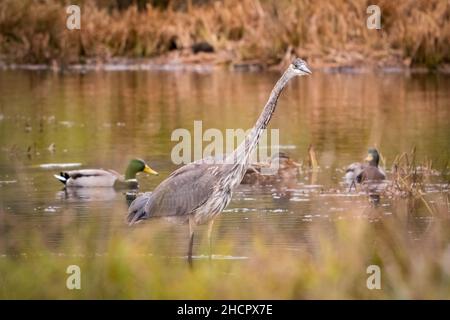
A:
<point x="240" y="157"/>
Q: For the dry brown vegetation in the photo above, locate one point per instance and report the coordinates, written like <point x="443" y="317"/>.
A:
<point x="327" y="33"/>
<point x="409" y="178"/>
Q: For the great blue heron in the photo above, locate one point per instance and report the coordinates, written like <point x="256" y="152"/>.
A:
<point x="199" y="191"/>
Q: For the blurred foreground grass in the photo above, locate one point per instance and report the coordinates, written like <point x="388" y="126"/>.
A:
<point x="141" y="263"/>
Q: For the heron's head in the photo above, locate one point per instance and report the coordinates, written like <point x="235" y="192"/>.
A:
<point x="138" y="165"/>
<point x="373" y="157"/>
<point x="299" y="67"/>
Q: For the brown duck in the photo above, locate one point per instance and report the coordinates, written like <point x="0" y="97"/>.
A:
<point x="280" y="168"/>
<point x="369" y="171"/>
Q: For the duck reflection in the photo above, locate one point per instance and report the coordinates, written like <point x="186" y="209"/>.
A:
<point x="87" y="194"/>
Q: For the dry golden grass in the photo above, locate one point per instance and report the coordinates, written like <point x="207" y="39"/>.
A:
<point x="329" y="33"/>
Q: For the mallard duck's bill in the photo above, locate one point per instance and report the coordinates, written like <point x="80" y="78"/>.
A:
<point x="149" y="170"/>
<point x="369" y="158"/>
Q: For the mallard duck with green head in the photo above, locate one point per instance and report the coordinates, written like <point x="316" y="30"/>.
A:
<point x="368" y="171"/>
<point x="105" y="178"/>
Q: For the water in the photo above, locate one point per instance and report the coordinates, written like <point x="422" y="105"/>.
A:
<point x="49" y="122"/>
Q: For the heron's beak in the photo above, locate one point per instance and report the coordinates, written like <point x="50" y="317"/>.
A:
<point x="305" y="69"/>
<point x="149" y="170"/>
<point x="369" y="158"/>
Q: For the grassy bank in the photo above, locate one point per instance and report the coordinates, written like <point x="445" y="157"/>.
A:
<point x="268" y="33"/>
<point x="138" y="263"/>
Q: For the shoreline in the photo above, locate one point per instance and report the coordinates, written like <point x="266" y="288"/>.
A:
<point x="134" y="65"/>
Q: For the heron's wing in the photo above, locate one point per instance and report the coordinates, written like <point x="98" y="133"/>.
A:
<point x="136" y="211"/>
<point x="181" y="193"/>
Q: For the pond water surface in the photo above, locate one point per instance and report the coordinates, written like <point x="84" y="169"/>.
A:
<point x="102" y="119"/>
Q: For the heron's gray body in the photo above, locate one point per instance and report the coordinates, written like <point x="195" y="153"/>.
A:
<point x="202" y="189"/>
<point x="199" y="189"/>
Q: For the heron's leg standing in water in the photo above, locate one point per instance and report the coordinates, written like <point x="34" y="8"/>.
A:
<point x="191" y="239"/>
<point x="210" y="228"/>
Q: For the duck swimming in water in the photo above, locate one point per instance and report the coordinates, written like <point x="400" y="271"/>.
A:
<point x="369" y="171"/>
<point x="105" y="178"/>
<point x="280" y="168"/>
